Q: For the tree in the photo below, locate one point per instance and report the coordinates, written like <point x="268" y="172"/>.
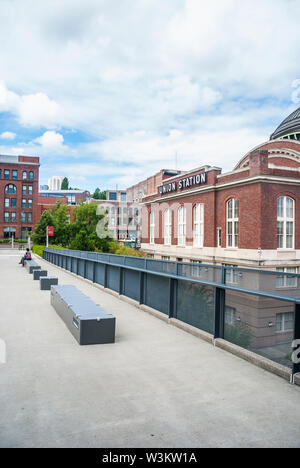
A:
<point x="83" y="229"/>
<point x="39" y="233"/>
<point x="98" y="195"/>
<point x="60" y="216"/>
<point x="65" y="184"/>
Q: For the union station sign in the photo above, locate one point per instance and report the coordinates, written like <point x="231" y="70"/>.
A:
<point x="184" y="183"/>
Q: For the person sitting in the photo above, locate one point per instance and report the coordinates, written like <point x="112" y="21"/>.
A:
<point x="27" y="256"/>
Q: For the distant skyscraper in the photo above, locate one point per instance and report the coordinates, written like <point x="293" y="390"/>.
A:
<point x="55" y="182"/>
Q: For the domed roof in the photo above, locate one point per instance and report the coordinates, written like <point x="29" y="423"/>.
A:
<point x="290" y="125"/>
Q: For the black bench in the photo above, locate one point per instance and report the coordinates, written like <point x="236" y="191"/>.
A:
<point x="38" y="273"/>
<point x="87" y="321"/>
<point x="47" y="281"/>
<point x="31" y="265"/>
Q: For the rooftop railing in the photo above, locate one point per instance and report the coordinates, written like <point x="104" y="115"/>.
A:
<point x="256" y="309"/>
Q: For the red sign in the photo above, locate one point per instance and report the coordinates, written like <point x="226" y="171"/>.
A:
<point x="50" y="231"/>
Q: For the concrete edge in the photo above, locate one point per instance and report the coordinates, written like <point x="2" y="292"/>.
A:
<point x="256" y="359"/>
<point x="192" y="330"/>
<point x="154" y="312"/>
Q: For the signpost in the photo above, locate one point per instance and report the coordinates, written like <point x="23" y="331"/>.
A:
<point x="49" y="232"/>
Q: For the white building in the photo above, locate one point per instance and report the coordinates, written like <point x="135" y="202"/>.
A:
<point x="55" y="182"/>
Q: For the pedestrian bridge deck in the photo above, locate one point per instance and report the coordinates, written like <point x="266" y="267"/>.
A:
<point x="157" y="386"/>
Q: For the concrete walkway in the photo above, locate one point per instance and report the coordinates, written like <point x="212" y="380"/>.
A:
<point x="157" y="386"/>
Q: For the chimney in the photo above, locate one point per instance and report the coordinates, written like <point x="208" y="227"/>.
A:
<point x="258" y="162"/>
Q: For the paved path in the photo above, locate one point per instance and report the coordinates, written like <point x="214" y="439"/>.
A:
<point x="157" y="386"/>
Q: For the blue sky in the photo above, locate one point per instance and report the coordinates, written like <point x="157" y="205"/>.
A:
<point x="108" y="92"/>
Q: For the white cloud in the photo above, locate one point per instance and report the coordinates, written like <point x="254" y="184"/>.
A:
<point x="37" y="110"/>
<point x="51" y="140"/>
<point x="149" y="78"/>
<point x="8" y="136"/>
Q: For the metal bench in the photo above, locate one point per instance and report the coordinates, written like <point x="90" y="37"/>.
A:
<point x="38" y="273"/>
<point x="31" y="265"/>
<point x="47" y="281"/>
<point x="87" y="321"/>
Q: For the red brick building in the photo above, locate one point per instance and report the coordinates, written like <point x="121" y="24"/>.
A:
<point x="19" y="188"/>
<point x="247" y="217"/>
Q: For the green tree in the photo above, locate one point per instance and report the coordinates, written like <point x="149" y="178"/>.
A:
<point x="98" y="195"/>
<point x="65" y="184"/>
<point x="83" y="229"/>
<point x="60" y="216"/>
<point x="39" y="233"/>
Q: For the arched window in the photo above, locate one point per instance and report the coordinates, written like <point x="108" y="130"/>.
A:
<point x="152" y="228"/>
<point x="198" y="216"/>
<point x="24" y="175"/>
<point x="167" y="227"/>
<point x="10" y="188"/>
<point x="232" y="221"/>
<point x="181" y="225"/>
<point x="285" y="223"/>
<point x="31" y="175"/>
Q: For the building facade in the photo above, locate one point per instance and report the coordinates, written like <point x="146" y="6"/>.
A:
<point x="247" y="217"/>
<point x="19" y="182"/>
<point x="54" y="183"/>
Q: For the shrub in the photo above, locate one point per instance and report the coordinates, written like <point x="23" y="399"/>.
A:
<point x="38" y="249"/>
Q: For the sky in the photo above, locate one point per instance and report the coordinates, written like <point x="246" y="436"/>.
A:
<point x="108" y="92"/>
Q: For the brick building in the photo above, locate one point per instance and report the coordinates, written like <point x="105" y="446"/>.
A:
<point x="246" y="217"/>
<point x="249" y="217"/>
<point x="19" y="183"/>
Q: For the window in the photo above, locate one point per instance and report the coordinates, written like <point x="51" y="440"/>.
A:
<point x="167" y="227"/>
<point x="31" y="175"/>
<point x="181" y="225"/>
<point x="198" y="213"/>
<point x="123" y="196"/>
<point x="152" y="228"/>
<point x="231" y="275"/>
<point x="286" y="281"/>
<point x="6" y="217"/>
<point x="285" y="322"/>
<point x="29" y="217"/>
<point x="196" y="269"/>
<point x="165" y="257"/>
<point x="230" y="315"/>
<point x="112" y="196"/>
<point x="13" y="202"/>
<point x="232" y="214"/>
<point x="0" y="173"/>
<point x="219" y="237"/>
<point x="24" y="203"/>
<point x="24" y="176"/>
<point x="285" y="223"/>
<point x="13" y="217"/>
<point x="29" y="203"/>
<point x="6" y="174"/>
<point x="124" y="216"/>
<point x="24" y="189"/>
<point x="9" y="232"/>
<point x="23" y="217"/>
<point x="10" y="189"/>
<point x="30" y="190"/>
<point x="14" y="174"/>
<point x="6" y="202"/>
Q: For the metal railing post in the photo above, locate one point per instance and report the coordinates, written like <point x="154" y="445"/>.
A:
<point x="142" y="287"/>
<point x="121" y="275"/>
<point x="296" y="366"/>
